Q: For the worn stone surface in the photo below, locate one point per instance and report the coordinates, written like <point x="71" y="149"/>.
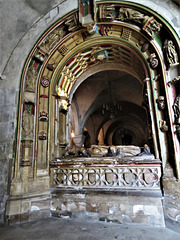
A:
<point x="80" y="229"/>
<point x="146" y="210"/>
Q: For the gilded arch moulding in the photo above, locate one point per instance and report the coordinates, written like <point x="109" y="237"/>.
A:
<point x="53" y="48"/>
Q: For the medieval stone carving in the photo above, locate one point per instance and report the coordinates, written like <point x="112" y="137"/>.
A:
<point x="51" y="64"/>
<point x="29" y="97"/>
<point x="45" y="82"/>
<point x="87" y="15"/>
<point x="42" y="136"/>
<point x="104" y="30"/>
<point x="27" y="125"/>
<point x="153" y="61"/>
<point x="145" y="47"/>
<point x="43" y="116"/>
<point x="149" y="24"/>
<point x="170" y="53"/>
<point x="126" y="33"/>
<point x="174" y="81"/>
<point x="176" y="108"/>
<point x="161" y="102"/>
<point x="163" y="126"/>
<point x="130" y="15"/>
<point x="52" y="39"/>
<point x="63" y="49"/>
<point x="31" y="77"/>
<point x="107" y="13"/>
<point x="40" y="54"/>
<point x="95" y="174"/>
<point x="152" y="27"/>
<point x="72" y="22"/>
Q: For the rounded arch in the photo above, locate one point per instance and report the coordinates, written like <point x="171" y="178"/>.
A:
<point x="70" y="39"/>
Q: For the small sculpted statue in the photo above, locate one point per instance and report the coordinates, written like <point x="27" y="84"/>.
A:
<point x="52" y="39"/>
<point x="176" y="108"/>
<point x="128" y="14"/>
<point x="148" y="24"/>
<point x="31" y="79"/>
<point x="27" y="125"/>
<point x="146" y="151"/>
<point x="170" y="52"/>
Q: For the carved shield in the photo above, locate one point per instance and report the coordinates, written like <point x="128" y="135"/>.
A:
<point x="129" y="177"/>
<point x="148" y="177"/>
<point x="92" y="177"/>
<point x="109" y="177"/>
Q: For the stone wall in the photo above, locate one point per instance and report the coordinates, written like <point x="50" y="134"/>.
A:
<point x="22" y="23"/>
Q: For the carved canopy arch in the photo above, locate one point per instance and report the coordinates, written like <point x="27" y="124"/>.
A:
<point x="126" y="34"/>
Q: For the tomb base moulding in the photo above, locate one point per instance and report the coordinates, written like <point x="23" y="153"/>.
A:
<point x="29" y="197"/>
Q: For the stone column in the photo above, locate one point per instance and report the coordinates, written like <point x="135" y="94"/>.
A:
<point x="63" y="109"/>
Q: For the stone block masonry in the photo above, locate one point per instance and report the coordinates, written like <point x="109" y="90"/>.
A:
<point x="128" y="208"/>
<point x="8" y="102"/>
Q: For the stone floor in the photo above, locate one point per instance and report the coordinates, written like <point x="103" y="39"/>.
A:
<point x="76" y="229"/>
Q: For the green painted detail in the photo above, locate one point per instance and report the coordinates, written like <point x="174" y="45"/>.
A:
<point x="65" y="85"/>
<point x="86" y="50"/>
<point x="78" y="72"/>
<point x="159" y="41"/>
<point x="74" y="65"/>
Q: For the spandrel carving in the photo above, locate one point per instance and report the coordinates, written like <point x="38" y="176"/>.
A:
<point x="31" y="79"/>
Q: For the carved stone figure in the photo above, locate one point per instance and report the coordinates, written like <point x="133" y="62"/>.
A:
<point x="27" y="125"/>
<point x="153" y="61"/>
<point x="170" y="52"/>
<point x="146" y="151"/>
<point x="31" y="79"/>
<point x="161" y="102"/>
<point x="176" y="108"/>
<point x="163" y="126"/>
<point x="174" y="81"/>
<point x="92" y="28"/>
<point x="130" y="15"/>
<point x="107" y="13"/>
<point x="52" y="39"/>
<point x="151" y="27"/>
<point x="72" y="22"/>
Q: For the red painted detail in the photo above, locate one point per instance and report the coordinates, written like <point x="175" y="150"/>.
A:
<point x="43" y="96"/>
<point x="35" y="64"/>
